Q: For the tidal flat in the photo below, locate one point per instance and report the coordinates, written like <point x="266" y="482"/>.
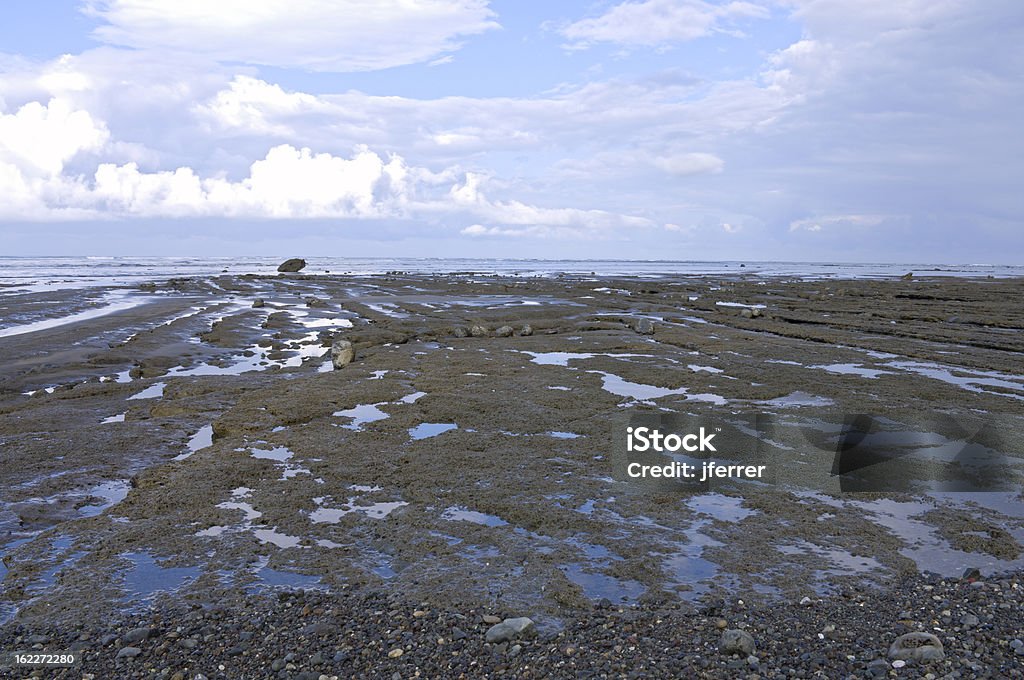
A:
<point x="174" y="447"/>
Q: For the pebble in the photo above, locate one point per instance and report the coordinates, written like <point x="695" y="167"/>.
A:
<point x="396" y="652"/>
<point x="128" y="653"/>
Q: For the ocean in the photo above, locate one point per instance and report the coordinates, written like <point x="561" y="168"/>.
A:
<point x="18" y="274"/>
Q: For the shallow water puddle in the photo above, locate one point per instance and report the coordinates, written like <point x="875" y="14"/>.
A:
<point x="124" y="302"/>
<point x="461" y="514"/>
<point x="378" y="510"/>
<point x="687" y="567"/>
<point x="928" y="550"/>
<point x="563" y="358"/>
<point x="274" y="537"/>
<point x="199" y="441"/>
<point x="798" y="399"/>
<point x="971" y="380"/>
<point x="638" y="391"/>
<point x="741" y="304"/>
<point x="111" y="492"/>
<point x="597" y="586"/>
<point x="852" y="369"/>
<point x="146" y="578"/>
<point x="428" y="430"/>
<point x="362" y="414"/>
<point x="718" y="506"/>
<point x="278" y="454"/>
<point x="152" y="392"/>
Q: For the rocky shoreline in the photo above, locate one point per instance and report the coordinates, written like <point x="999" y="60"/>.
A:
<point x="378" y="470"/>
<point x="309" y="635"/>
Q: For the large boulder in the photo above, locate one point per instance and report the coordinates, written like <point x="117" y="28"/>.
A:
<point x="342" y="353"/>
<point x="292" y="265"/>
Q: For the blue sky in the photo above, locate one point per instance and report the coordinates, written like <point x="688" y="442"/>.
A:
<point x="650" y="129"/>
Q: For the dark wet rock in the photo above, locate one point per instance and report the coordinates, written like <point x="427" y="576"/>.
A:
<point x="971" y="574"/>
<point x="917" y="646"/>
<point x="735" y="641"/>
<point x="137" y="635"/>
<point x="258" y="303"/>
<point x="644" y="326"/>
<point x="504" y="331"/>
<point x="292" y="265"/>
<point x="511" y="629"/>
<point x="342" y="353"/>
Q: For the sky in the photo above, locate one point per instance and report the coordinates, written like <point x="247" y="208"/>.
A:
<point x="792" y="130"/>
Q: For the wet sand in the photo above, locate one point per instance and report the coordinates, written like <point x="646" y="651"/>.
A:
<point x="193" y="449"/>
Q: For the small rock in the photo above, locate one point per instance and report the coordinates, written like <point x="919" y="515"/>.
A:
<point x="396" y="652"/>
<point x="721" y="624"/>
<point x="460" y="332"/>
<point x="258" y="302"/>
<point x="737" y="641"/>
<point x="419" y="614"/>
<point x="526" y="330"/>
<point x="510" y="629"/>
<point x="277" y="665"/>
<point x="491" y="619"/>
<point x="319" y="629"/>
<point x="878" y="668"/>
<point x="478" y="331"/>
<point x="907" y="276"/>
<point x="136" y="635"/>
<point x="917" y="646"/>
<point x="971" y="574"/>
<point x="128" y="652"/>
<point x="899" y="663"/>
<point x="806" y="602"/>
<point x="292" y="265"/>
<point x="970" y="620"/>
<point x="504" y="331"/>
<point x="342" y="353"/>
<point x="458" y="634"/>
<point x="644" y="326"/>
<point x="746" y="313"/>
<point x="315" y="302"/>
